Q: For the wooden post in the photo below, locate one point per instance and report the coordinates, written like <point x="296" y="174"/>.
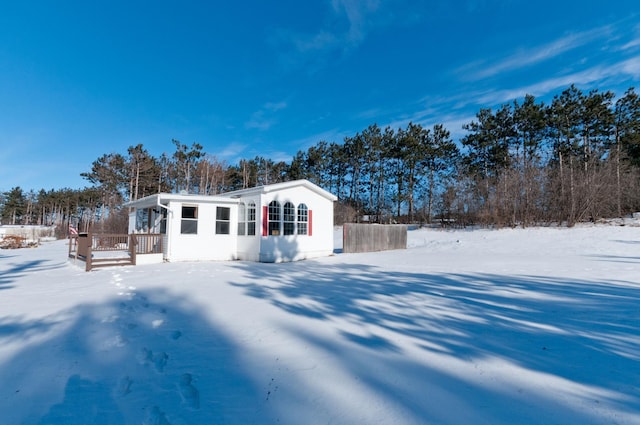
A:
<point x="89" y="255"/>
<point x="132" y="248"/>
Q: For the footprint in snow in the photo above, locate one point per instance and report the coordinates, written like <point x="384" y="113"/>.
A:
<point x="158" y="360"/>
<point x="124" y="385"/>
<point x="156" y="417"/>
<point x="190" y="394"/>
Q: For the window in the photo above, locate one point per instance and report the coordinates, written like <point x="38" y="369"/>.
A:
<point x="251" y="219"/>
<point x="242" y="218"/>
<point x="142" y="220"/>
<point x="303" y="219"/>
<point x="289" y="223"/>
<point x="163" y="221"/>
<point x="274" y="218"/>
<point x="223" y="220"/>
<point x="189" y="222"/>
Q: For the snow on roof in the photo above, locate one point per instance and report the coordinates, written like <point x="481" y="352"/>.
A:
<point x="228" y="197"/>
<point x="163" y="198"/>
<point x="282" y="186"/>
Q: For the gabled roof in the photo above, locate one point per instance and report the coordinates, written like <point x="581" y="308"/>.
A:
<point x="281" y="186"/>
<point x="226" y="198"/>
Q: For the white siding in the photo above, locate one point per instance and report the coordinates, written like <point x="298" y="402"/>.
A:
<point x="249" y="246"/>
<point x="205" y="245"/>
<point x="298" y="247"/>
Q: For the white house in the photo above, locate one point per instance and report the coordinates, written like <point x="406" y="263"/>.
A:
<point x="274" y="223"/>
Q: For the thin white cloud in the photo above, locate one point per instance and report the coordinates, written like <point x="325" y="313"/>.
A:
<point x="634" y="41"/>
<point x="259" y="122"/>
<point x="348" y="24"/>
<point x="329" y="136"/>
<point x="264" y="118"/>
<point x="357" y="13"/>
<point x="278" y="156"/>
<point x="275" y="106"/>
<point x="460" y="108"/>
<point x="530" y="57"/>
<point x="631" y="67"/>
<point x="612" y="73"/>
<point x="232" y="150"/>
<point x="436" y="114"/>
<point x="354" y="15"/>
<point x="631" y="44"/>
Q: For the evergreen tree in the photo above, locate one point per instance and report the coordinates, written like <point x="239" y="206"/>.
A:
<point x="14" y="206"/>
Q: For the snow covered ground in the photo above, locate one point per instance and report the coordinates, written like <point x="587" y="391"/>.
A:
<point x="516" y="326"/>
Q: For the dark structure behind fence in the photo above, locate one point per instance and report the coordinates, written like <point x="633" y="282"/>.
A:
<point x="373" y="237"/>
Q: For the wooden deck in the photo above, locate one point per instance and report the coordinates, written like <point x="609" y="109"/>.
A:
<point x="106" y="250"/>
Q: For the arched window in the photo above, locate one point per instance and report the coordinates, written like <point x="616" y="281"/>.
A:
<point x="274" y="218"/>
<point x="242" y="219"/>
<point x="251" y="219"/>
<point x="303" y="219"/>
<point x="289" y="222"/>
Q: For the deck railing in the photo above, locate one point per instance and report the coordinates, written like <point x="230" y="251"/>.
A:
<point x="88" y="247"/>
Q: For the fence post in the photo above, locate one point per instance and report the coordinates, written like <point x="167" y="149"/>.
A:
<point x="89" y="255"/>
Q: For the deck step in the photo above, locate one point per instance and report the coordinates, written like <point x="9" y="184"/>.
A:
<point x="108" y="262"/>
<point x="98" y="265"/>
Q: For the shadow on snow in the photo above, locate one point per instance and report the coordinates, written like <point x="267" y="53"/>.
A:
<point x="557" y="330"/>
<point x="16" y="270"/>
<point x="409" y="338"/>
<point x="147" y="357"/>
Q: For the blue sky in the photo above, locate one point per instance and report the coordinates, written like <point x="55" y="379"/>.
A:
<point x="79" y="79"/>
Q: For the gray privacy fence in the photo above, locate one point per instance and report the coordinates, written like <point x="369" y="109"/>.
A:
<point x="373" y="237"/>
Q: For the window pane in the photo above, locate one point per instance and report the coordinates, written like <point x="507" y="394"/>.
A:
<point x="303" y="213"/>
<point x="274" y="228"/>
<point x="274" y="211"/>
<point x="303" y="219"/>
<point x="163" y="222"/>
<point x="189" y="212"/>
<point x="289" y="219"/>
<point x="251" y="218"/>
<point x="163" y="226"/>
<point x="223" y="213"/>
<point x="274" y="218"/>
<point x="189" y="222"/>
<point x="189" y="227"/>
<point x="289" y="228"/>
<point x="222" y="227"/>
<point x="241" y="212"/>
<point x="289" y="212"/>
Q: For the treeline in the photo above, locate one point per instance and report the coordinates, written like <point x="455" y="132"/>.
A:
<point x="59" y="208"/>
<point x="527" y="162"/>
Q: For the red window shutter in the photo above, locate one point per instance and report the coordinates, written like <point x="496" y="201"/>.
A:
<point x="310" y="223"/>
<point x="265" y="220"/>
